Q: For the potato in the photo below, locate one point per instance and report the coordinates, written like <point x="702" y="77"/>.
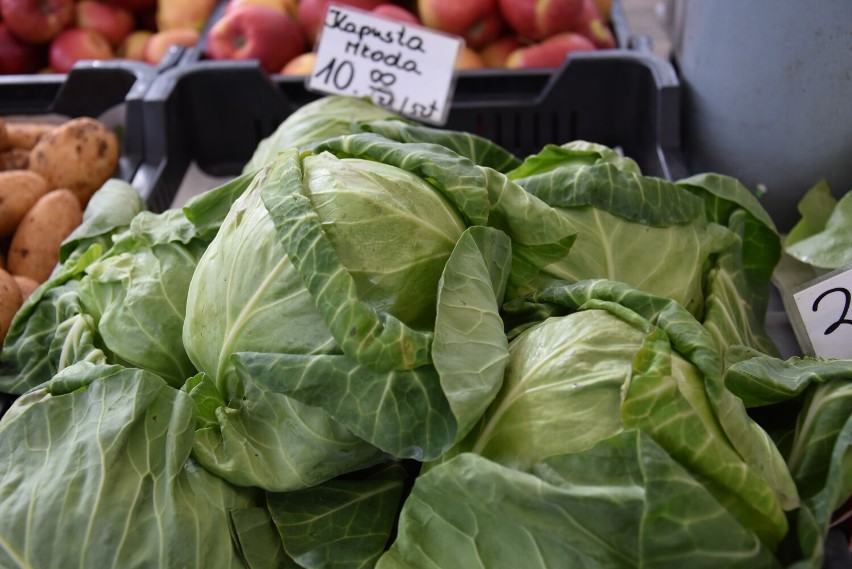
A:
<point x="15" y="159"/>
<point x="27" y="134"/>
<point x="26" y="285"/>
<point x="34" y="251"/>
<point x="19" y="190"/>
<point x="79" y="155"/>
<point x="2" y="261"/>
<point x="4" y="136"/>
<point x="10" y="301"/>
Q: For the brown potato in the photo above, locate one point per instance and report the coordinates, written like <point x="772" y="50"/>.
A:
<point x="27" y="134"/>
<point x="2" y="261"/>
<point x="80" y="155"/>
<point x="4" y="135"/>
<point x="10" y="301"/>
<point x="34" y="251"/>
<point x="19" y="190"/>
<point x="26" y="284"/>
<point x="15" y="159"/>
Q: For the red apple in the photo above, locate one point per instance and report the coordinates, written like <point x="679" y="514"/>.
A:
<point x="255" y="32"/>
<point x="396" y="13"/>
<point x="133" y="46"/>
<point x="112" y="22"/>
<point x="159" y="44"/>
<point x="479" y="22"/>
<point x="302" y="64"/>
<point x="592" y="25"/>
<point x="76" y="44"/>
<point x="550" y="52"/>
<point x="540" y="19"/>
<point x="311" y="13"/>
<point x="18" y="57"/>
<point x="486" y="31"/>
<point x="495" y="53"/>
<point x="37" y="21"/>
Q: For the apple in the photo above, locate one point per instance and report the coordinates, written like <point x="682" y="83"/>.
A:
<point x="550" y="52"/>
<point x="592" y="25"/>
<point x="311" y="13"/>
<point x="495" y="53"/>
<point x="469" y="58"/>
<point x="133" y="46"/>
<point x="19" y="57"/>
<point x="76" y="44"/>
<point x="285" y="6"/>
<point x="172" y="14"/>
<point x="37" y="21"/>
<point x="540" y="19"/>
<point x="479" y="22"/>
<point x="112" y="22"/>
<point x="396" y="13"/>
<point x="302" y="64"/>
<point x="605" y="8"/>
<point x="255" y="32"/>
<point x="159" y="43"/>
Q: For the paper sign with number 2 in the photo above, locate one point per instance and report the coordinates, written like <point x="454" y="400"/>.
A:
<point x="826" y="314"/>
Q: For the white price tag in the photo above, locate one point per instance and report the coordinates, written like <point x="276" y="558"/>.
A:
<point x="824" y="310"/>
<point x="404" y="68"/>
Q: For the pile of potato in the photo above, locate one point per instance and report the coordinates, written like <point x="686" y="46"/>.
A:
<point x="48" y="172"/>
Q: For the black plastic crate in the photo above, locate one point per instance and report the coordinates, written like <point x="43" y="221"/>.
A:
<point x="91" y="88"/>
<point x="214" y="113"/>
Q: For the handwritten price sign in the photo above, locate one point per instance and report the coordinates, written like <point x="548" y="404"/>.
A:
<point x="825" y="308"/>
<point x="404" y="68"/>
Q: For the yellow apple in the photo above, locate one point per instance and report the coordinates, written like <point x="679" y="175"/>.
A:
<point x="286" y="6"/>
<point x="302" y="64"/>
<point x="133" y="46"/>
<point x="159" y="43"/>
<point x="469" y="58"/>
<point x="179" y="14"/>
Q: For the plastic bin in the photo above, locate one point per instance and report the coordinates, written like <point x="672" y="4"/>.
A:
<point x="111" y="91"/>
<point x="213" y="114"/>
<point x="93" y="89"/>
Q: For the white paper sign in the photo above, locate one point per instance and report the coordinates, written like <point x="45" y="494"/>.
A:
<point x="824" y="308"/>
<point x="404" y="68"/>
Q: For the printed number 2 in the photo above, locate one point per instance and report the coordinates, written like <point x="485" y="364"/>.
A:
<point x="847" y="297"/>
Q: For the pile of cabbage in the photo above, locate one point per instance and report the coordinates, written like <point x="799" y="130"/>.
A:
<point x="387" y="345"/>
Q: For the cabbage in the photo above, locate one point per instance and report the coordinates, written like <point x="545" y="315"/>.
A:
<point x="347" y="310"/>
<point x="612" y="442"/>
<point x="97" y="472"/>
<point x="403" y="347"/>
<point x="821" y="238"/>
<point x="704" y="242"/>
<point x="806" y="404"/>
<point x="324" y="118"/>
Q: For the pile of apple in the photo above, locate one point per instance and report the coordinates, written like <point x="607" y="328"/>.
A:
<point x="52" y="35"/>
<point x="282" y="34"/>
